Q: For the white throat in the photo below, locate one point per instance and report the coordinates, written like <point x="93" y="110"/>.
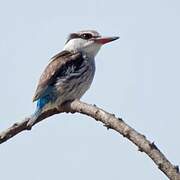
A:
<point x="87" y="47"/>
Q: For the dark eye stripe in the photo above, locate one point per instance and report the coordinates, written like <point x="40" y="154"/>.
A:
<point x="83" y="36"/>
<point x="72" y="36"/>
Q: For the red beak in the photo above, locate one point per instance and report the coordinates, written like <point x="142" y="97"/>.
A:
<point x="104" y="40"/>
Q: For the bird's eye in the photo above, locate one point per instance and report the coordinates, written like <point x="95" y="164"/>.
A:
<point x="86" y="36"/>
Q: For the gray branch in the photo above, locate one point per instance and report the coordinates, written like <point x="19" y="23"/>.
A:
<point x="111" y="122"/>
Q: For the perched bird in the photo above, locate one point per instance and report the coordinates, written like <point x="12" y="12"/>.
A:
<point x="70" y="73"/>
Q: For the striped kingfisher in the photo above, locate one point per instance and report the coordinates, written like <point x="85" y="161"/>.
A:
<point x="70" y="73"/>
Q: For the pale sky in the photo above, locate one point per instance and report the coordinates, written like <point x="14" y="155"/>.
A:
<point x="137" y="78"/>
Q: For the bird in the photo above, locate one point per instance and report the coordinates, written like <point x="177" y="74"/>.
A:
<point x="70" y="73"/>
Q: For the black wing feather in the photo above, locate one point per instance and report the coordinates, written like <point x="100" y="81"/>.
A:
<point x="61" y="64"/>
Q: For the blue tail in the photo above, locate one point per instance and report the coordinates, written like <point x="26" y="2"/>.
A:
<point x="40" y="104"/>
<point x="43" y="101"/>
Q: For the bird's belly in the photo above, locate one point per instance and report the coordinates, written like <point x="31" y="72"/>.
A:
<point x="73" y="88"/>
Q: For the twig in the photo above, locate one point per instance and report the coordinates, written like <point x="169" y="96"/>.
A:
<point x="110" y="121"/>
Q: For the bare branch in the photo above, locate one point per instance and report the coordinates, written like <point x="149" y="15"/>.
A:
<point x="110" y="121"/>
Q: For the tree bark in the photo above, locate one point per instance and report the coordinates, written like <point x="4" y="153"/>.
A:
<point x="111" y="122"/>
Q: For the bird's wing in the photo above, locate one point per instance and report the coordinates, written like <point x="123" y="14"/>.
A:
<point x="54" y="69"/>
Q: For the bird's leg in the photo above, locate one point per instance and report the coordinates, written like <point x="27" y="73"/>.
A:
<point x="65" y="106"/>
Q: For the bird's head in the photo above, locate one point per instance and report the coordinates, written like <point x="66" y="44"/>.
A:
<point x="88" y="42"/>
